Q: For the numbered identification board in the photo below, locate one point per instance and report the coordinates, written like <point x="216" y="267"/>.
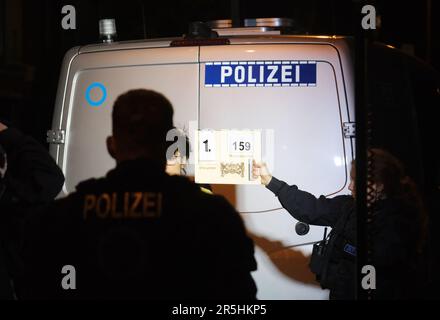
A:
<point x="225" y="156"/>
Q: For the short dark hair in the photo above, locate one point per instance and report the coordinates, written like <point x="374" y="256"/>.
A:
<point x="141" y="119"/>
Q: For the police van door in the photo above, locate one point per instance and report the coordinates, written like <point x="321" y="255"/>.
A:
<point x="292" y="93"/>
<point x="97" y="78"/>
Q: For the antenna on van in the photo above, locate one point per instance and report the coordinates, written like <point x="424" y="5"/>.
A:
<point x="107" y="30"/>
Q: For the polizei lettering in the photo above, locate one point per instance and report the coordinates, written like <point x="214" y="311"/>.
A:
<point x="126" y="205"/>
<point x="260" y="73"/>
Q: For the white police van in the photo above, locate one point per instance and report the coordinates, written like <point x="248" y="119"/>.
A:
<point x="299" y="90"/>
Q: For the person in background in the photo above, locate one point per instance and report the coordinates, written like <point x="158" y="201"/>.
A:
<point x="29" y="178"/>
<point x="397" y="228"/>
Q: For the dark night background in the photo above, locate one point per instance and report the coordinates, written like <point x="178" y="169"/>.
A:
<point x="33" y="43"/>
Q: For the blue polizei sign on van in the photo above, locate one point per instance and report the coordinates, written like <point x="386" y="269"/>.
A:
<point x="260" y="74"/>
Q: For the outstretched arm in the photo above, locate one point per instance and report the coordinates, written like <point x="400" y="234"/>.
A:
<point x="300" y="204"/>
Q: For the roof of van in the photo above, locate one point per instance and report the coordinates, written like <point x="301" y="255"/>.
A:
<point x="165" y="42"/>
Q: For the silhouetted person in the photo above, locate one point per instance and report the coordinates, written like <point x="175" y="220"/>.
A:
<point x="29" y="177"/>
<point x="139" y="232"/>
<point x="396" y="229"/>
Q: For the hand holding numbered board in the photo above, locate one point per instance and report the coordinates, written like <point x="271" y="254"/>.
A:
<point x="225" y="156"/>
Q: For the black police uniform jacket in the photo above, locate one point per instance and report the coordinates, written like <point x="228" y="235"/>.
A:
<point x="139" y="233"/>
<point x="397" y="251"/>
<point x="32" y="178"/>
<point x="335" y="268"/>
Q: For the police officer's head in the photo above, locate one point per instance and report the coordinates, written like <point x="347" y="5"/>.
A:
<point x="141" y="119"/>
<point x="388" y="177"/>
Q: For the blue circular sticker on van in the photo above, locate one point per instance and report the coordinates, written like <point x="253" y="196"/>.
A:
<point x="104" y="94"/>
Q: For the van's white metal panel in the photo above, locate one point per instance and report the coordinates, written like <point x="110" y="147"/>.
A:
<point x="173" y="72"/>
<point x="309" y="151"/>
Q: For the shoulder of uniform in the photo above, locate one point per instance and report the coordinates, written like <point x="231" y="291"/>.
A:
<point x="191" y="190"/>
<point x="90" y="185"/>
<point x="181" y="183"/>
<point x="217" y="203"/>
